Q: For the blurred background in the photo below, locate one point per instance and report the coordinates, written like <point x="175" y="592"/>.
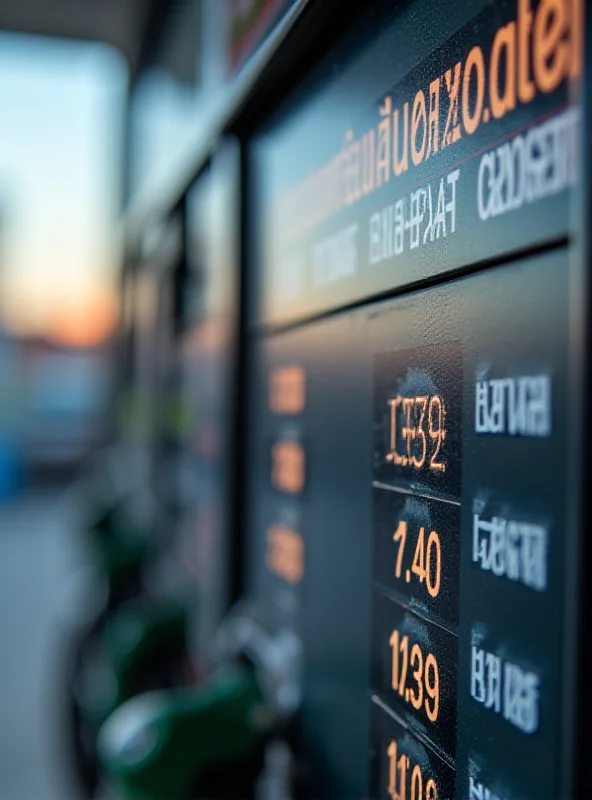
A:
<point x="63" y="104"/>
<point x="97" y="99"/>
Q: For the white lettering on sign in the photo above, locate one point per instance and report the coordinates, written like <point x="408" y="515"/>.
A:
<point x="511" y="549"/>
<point x="335" y="257"/>
<point x="515" y="406"/>
<point x="477" y="791"/>
<point x="486" y="679"/>
<point x="425" y="215"/>
<point x="506" y="689"/>
<point x="530" y="167"/>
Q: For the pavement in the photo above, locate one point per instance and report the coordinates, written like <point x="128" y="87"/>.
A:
<point x="40" y="553"/>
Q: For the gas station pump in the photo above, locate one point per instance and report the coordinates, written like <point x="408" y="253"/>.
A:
<point x="136" y="637"/>
<point x="223" y="738"/>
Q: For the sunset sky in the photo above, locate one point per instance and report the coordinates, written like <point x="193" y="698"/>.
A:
<point x="62" y="106"/>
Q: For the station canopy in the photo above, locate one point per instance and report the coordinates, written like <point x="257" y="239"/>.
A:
<point x="124" y="24"/>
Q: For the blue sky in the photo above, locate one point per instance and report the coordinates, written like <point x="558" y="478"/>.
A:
<point x="61" y="105"/>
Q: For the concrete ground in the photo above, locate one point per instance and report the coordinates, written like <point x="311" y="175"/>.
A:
<point x="39" y="555"/>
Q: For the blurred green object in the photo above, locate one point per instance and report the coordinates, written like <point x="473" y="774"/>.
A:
<point x="160" y="744"/>
<point x="129" y="645"/>
<point x="136" y="640"/>
<point x="121" y="547"/>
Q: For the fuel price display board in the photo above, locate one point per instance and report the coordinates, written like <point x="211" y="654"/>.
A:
<point x="413" y="430"/>
<point x="450" y="139"/>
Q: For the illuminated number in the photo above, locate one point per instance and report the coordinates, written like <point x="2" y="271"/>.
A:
<point x="433" y="543"/>
<point x="394" y="643"/>
<point x="400" y="535"/>
<point x="285" y="553"/>
<point x="417" y="658"/>
<point x="426" y="677"/>
<point x="420" y="433"/>
<point x="287" y="390"/>
<point x="416" y="783"/>
<point x="392" y="754"/>
<point x="400" y="766"/>
<point x="404" y="649"/>
<point x="393" y="455"/>
<point x="414" y="435"/>
<point x="427" y="561"/>
<point x="398" y="770"/>
<point x="432" y="687"/>
<point x="287" y="472"/>
<point x="437" y="434"/>
<point x="418" y="567"/>
<point x="431" y="791"/>
<point x="408" y="431"/>
<point x="403" y="764"/>
<point x="400" y="647"/>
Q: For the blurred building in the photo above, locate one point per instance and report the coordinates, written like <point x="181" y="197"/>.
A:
<point x="65" y="392"/>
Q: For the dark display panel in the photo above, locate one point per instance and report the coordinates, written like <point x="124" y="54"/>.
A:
<point x="427" y="476"/>
<point x="207" y="353"/>
<point x="432" y="613"/>
<point x="407" y="767"/>
<point x="432" y="138"/>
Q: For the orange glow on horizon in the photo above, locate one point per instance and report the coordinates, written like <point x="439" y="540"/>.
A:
<point x="86" y="323"/>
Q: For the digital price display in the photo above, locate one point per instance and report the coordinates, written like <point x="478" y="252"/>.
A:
<point x="277" y="484"/>
<point x="417" y="481"/>
<point x="461" y="554"/>
<point x="413" y="426"/>
<point x="450" y="138"/>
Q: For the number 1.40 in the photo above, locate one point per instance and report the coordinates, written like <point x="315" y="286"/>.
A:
<point x="427" y="559"/>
